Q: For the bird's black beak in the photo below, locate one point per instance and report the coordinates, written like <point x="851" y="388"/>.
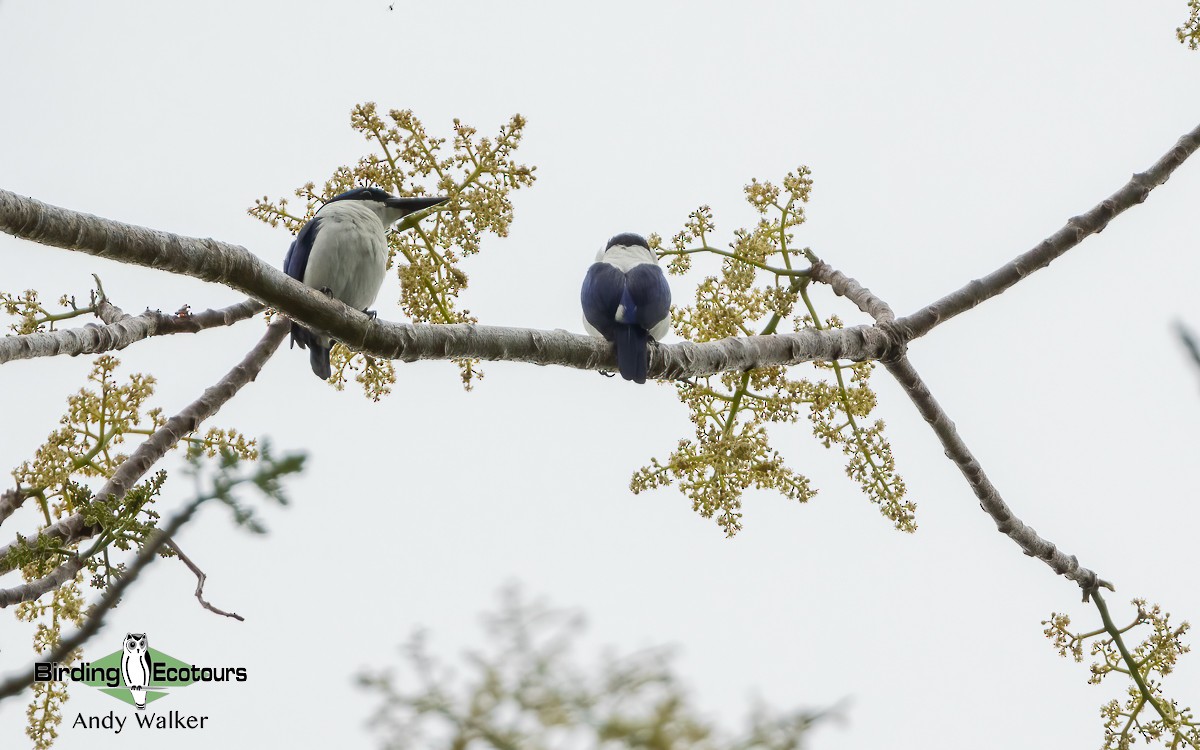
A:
<point x="412" y="205"/>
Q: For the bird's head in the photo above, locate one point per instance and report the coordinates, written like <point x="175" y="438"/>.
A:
<point x="389" y="208"/>
<point x="626" y="242"/>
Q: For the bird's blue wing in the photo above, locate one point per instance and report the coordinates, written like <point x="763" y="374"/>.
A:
<point x="650" y="293"/>
<point x="600" y="295"/>
<point x="296" y="260"/>
<point x="294" y="265"/>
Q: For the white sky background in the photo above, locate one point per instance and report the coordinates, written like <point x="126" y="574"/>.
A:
<point x="944" y="138"/>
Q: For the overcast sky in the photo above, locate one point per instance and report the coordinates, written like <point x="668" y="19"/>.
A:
<point x="944" y="139"/>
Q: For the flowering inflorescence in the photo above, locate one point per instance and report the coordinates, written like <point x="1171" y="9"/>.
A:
<point x="44" y="713"/>
<point x="476" y="174"/>
<point x="762" y="282"/>
<point x="34" y="317"/>
<point x="1189" y="32"/>
<point x="1146" y="713"/>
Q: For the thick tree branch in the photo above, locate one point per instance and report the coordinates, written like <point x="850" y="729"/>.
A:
<point x="72" y="528"/>
<point x="989" y="498"/>
<point x="1076" y="231"/>
<point x="24" y="678"/>
<point x="121" y="330"/>
<point x="237" y="268"/>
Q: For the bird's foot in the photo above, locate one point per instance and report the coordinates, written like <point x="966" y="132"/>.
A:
<point x="326" y="291"/>
<point x="371" y="314"/>
<point x="607" y="374"/>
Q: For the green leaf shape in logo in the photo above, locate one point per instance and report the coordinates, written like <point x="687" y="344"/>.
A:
<point x="173" y="673"/>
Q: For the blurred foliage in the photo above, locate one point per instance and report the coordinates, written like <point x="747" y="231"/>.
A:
<point x="1148" y="714"/>
<point x="764" y="282"/>
<point x="1189" y="33"/>
<point x="526" y="690"/>
<point x="476" y="173"/>
<point x="1191" y="343"/>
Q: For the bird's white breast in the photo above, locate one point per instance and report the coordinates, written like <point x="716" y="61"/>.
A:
<point x="349" y="254"/>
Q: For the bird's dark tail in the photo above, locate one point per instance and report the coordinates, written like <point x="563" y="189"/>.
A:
<point x="633" y="354"/>
<point x="318" y="356"/>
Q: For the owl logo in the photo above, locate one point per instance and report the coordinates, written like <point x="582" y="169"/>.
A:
<point x="135" y="667"/>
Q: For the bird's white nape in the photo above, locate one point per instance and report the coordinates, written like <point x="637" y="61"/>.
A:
<point x="626" y="257"/>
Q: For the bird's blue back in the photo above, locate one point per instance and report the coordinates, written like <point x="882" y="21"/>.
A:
<point x="647" y="287"/>
<point x="601" y="294"/>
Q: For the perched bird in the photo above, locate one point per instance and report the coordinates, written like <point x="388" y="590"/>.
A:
<point x="627" y="301"/>
<point x="343" y="252"/>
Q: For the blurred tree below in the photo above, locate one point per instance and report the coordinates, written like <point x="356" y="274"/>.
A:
<point x="528" y="690"/>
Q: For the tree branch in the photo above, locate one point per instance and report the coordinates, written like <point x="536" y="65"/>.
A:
<point x="121" y="330"/>
<point x="72" y="528"/>
<point x="989" y="497"/>
<point x="956" y="450"/>
<point x="10" y="501"/>
<point x="24" y="678"/>
<point x="844" y="286"/>
<point x="1076" y="231"/>
<point x="27" y="592"/>
<point x="201" y="577"/>
<point x="237" y="268"/>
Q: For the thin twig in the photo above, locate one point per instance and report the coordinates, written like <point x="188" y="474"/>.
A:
<point x="800" y="273"/>
<point x="201" y="577"/>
